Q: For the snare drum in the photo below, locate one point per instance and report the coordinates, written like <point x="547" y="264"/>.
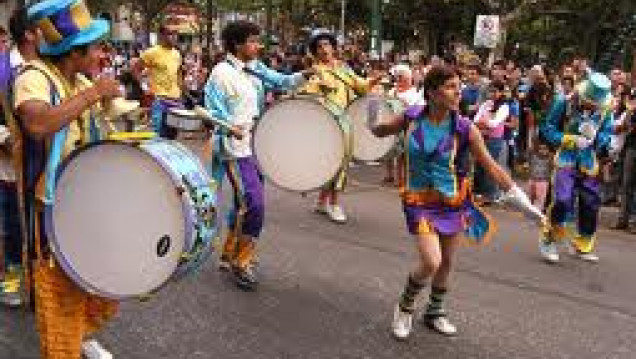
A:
<point x="302" y="143"/>
<point x="184" y="120"/>
<point x="128" y="217"/>
<point x="366" y="146"/>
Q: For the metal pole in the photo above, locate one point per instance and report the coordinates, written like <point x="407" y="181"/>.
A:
<point x="268" y="25"/>
<point x="343" y="11"/>
<point x="208" y="24"/>
<point x="376" y="28"/>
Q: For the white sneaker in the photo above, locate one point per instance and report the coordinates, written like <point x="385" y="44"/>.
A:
<point x="373" y="163"/>
<point x="336" y="214"/>
<point x="402" y="323"/>
<point x="549" y="252"/>
<point x="441" y="325"/>
<point x="91" y="349"/>
<point x="588" y="257"/>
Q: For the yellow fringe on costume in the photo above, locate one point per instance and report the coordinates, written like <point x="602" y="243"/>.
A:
<point x="229" y="247"/>
<point x="246" y="253"/>
<point x="584" y="244"/>
<point x="557" y="233"/>
<point x="424" y="228"/>
<point x="65" y="314"/>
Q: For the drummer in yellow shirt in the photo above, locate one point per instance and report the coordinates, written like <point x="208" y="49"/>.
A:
<point x="163" y="65"/>
<point x="341" y="86"/>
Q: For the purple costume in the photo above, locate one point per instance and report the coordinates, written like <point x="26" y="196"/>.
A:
<point x="436" y="193"/>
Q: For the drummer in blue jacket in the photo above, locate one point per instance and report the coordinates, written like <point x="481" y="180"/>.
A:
<point x="235" y="93"/>
<point x="580" y="128"/>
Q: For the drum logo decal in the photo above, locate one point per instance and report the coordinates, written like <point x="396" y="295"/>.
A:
<point x="163" y="246"/>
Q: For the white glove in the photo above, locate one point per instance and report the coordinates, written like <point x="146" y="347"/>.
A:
<point x="518" y="198"/>
<point x="4" y="134"/>
<point x="588" y="129"/>
<point x="583" y="142"/>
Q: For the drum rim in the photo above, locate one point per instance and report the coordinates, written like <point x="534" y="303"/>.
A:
<point x="49" y="226"/>
<point x="184" y="115"/>
<point x="344" y="162"/>
<point x="182" y="112"/>
<point x="394" y="137"/>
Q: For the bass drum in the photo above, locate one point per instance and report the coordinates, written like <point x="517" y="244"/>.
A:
<point x="366" y="146"/>
<point x="302" y="143"/>
<point x="129" y="217"/>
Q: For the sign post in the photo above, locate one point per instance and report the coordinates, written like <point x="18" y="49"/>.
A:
<point x="487" y="31"/>
<point x="376" y="28"/>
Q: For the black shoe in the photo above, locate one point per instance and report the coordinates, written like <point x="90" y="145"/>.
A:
<point x="225" y="264"/>
<point x="245" y="278"/>
<point x="621" y="226"/>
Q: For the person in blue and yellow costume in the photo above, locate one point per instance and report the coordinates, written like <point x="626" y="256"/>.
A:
<point x="338" y="84"/>
<point x="580" y="127"/>
<point x="55" y="105"/>
<point x="436" y="193"/>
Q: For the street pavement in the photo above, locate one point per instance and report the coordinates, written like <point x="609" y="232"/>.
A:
<point x="328" y="291"/>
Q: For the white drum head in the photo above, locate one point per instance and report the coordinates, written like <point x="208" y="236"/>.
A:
<point x="366" y="146"/>
<point x="118" y="221"/>
<point x="299" y="145"/>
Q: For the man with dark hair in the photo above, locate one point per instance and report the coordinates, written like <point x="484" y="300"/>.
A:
<point x="628" y="183"/>
<point x="25" y="35"/>
<point x="9" y="220"/>
<point x="470" y="93"/>
<point x="52" y="100"/>
<point x="235" y="93"/>
<point x="163" y="63"/>
<point x="498" y="71"/>
<point x="26" y="40"/>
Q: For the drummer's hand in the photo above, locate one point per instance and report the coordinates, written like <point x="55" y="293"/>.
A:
<point x="309" y="73"/>
<point x="238" y="132"/>
<point x="326" y="88"/>
<point x="107" y="88"/>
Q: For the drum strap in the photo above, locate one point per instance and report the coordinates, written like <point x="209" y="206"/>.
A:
<point x="346" y="83"/>
<point x="259" y="76"/>
<point x="31" y="169"/>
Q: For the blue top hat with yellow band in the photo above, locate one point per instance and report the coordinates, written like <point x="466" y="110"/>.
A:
<point x="596" y="88"/>
<point x="65" y="24"/>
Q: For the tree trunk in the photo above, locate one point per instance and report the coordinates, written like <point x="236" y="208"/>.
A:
<point x="634" y="66"/>
<point x="208" y="24"/>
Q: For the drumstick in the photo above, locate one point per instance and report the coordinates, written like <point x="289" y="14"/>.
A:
<point x="205" y="115"/>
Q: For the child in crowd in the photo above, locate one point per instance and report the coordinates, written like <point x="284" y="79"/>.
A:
<point x="540" y="172"/>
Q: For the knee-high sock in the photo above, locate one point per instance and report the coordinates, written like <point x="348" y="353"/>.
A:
<point x="409" y="294"/>
<point x="435" y="306"/>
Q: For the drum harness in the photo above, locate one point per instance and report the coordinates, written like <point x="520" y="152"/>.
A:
<point x="27" y="199"/>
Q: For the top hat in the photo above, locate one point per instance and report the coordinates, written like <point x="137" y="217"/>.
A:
<point x="596" y="88"/>
<point x="65" y="24"/>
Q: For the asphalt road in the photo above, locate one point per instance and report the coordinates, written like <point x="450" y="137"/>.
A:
<point x="328" y="291"/>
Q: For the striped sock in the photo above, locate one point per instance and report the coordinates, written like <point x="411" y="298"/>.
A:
<point x="410" y="292"/>
<point x="435" y="306"/>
